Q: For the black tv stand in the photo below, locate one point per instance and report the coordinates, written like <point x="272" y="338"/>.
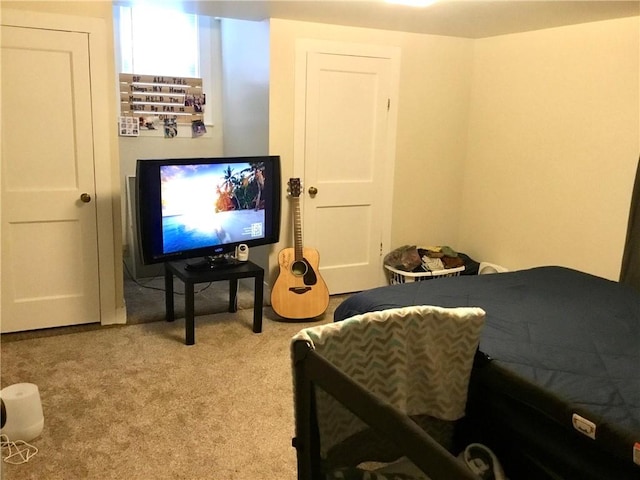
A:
<point x="178" y="269"/>
<point x="206" y="264"/>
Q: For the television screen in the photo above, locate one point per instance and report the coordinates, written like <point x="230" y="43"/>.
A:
<point x="205" y="207"/>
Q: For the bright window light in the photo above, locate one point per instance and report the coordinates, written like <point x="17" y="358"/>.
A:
<point x="159" y="41"/>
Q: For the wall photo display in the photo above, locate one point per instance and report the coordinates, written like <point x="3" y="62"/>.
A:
<point x="128" y="126"/>
<point x="160" y="101"/>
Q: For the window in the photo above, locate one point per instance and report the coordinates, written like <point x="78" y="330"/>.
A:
<point x="158" y="41"/>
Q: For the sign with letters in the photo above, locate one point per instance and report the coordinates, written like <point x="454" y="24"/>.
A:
<point x="167" y="97"/>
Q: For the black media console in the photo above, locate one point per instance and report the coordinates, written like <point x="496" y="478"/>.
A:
<point x="191" y="277"/>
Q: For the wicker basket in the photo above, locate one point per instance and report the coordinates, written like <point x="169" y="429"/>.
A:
<point x="398" y="276"/>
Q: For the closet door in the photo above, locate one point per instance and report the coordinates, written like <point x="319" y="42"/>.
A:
<point x="50" y="273"/>
<point x="345" y="137"/>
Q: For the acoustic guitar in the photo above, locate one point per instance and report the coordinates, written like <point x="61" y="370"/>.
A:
<point x="299" y="291"/>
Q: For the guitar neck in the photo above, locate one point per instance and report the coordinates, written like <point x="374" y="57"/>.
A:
<point x="297" y="228"/>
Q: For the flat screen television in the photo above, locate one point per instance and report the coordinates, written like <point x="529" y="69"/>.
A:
<point x="203" y="208"/>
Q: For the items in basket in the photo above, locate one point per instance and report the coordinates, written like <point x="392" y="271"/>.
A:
<point x="405" y="258"/>
<point x="439" y="258"/>
<point x="410" y="258"/>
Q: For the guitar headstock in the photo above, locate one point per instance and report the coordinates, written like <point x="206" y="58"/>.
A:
<point x="295" y="187"/>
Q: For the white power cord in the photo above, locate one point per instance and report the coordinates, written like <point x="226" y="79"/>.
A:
<point x="16" y="452"/>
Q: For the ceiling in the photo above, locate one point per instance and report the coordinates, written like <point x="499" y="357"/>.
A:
<point x="460" y="18"/>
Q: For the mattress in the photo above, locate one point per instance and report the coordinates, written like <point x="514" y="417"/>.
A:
<point x="562" y="356"/>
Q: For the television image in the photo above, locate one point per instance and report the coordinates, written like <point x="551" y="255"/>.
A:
<point x="205" y="207"/>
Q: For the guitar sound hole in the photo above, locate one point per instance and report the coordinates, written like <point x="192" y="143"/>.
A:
<point x="299" y="269"/>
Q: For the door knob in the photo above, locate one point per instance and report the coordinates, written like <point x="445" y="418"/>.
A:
<point x="85" y="198"/>
<point x="313" y="191"/>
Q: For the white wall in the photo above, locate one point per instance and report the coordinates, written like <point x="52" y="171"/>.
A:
<point x="553" y="146"/>
<point x="553" y="127"/>
<point x="431" y="144"/>
<point x="435" y="84"/>
<point x="517" y="149"/>
<point x="245" y="77"/>
<point x="245" y="80"/>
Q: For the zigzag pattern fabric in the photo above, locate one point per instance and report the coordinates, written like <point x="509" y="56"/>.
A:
<point x="417" y="359"/>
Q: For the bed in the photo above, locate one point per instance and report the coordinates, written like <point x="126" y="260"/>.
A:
<point x="554" y="389"/>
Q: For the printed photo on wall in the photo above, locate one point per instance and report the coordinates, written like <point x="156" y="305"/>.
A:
<point x="196" y="101"/>
<point x="129" y="126"/>
<point x="198" y="128"/>
<point x="170" y="128"/>
<point x="148" y="123"/>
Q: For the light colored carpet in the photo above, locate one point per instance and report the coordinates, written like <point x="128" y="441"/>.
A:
<point x="134" y="402"/>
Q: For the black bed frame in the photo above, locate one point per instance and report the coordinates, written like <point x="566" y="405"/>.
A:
<point x="311" y="370"/>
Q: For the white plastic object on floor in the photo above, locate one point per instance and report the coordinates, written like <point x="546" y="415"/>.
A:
<point x="24" y="416"/>
<point x="486" y="267"/>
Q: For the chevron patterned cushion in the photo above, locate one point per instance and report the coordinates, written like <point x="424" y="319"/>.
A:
<point x="418" y="359"/>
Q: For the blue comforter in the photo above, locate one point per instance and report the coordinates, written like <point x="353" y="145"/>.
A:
<point x="574" y="337"/>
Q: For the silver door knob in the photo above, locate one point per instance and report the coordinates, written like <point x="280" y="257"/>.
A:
<point x="313" y="191"/>
<point x="85" y="198"/>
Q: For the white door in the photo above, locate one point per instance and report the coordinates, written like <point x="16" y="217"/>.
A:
<point x="346" y="143"/>
<point x="49" y="235"/>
